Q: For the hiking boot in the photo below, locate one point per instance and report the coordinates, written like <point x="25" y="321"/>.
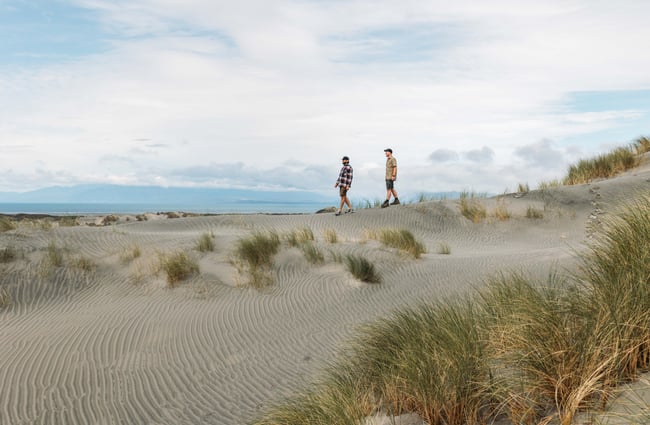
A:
<point x="349" y="211"/>
<point x="395" y="202"/>
<point x="385" y="204"/>
<point x="337" y="213"/>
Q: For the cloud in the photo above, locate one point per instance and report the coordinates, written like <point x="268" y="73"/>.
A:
<point x="542" y="154"/>
<point x="484" y="155"/>
<point x="443" y="155"/>
<point x="183" y="86"/>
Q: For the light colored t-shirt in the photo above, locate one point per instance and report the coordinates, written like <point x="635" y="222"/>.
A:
<point x="391" y="164"/>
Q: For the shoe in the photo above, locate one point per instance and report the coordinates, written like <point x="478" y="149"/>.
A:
<point x="337" y="213"/>
<point x="395" y="202"/>
<point x="385" y="204"/>
<point x="349" y="211"/>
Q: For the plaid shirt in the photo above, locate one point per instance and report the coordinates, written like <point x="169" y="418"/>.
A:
<point x="345" y="177"/>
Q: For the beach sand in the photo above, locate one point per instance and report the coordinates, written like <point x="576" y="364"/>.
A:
<point x="103" y="339"/>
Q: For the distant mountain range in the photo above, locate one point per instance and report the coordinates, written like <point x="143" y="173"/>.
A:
<point x="112" y="194"/>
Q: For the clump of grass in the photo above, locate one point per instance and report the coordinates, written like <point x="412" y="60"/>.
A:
<point x="602" y="166"/>
<point x="534" y="213"/>
<point x="255" y="255"/>
<point x="501" y="210"/>
<point x="298" y="237"/>
<point x="130" y="254"/>
<point x="5" y="298"/>
<point x="6" y="224"/>
<point x="523" y="188"/>
<point x="54" y="255"/>
<point x="401" y="239"/>
<point x="616" y="273"/>
<point x="7" y="254"/>
<point x="83" y="263"/>
<point x="444" y="248"/>
<point x="471" y="208"/>
<point x="549" y="184"/>
<point x="312" y="253"/>
<point x="641" y="145"/>
<point x="206" y="243"/>
<point x="547" y="355"/>
<point x="331" y="236"/>
<point x="178" y="266"/>
<point x="362" y="269"/>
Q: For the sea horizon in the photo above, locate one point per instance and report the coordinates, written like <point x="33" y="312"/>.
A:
<point x="101" y="208"/>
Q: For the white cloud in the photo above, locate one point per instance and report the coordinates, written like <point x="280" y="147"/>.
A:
<point x="187" y="85"/>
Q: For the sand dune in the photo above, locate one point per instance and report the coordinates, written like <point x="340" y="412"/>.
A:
<point x="103" y="339"/>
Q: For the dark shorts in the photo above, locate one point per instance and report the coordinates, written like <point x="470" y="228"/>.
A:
<point x="389" y="184"/>
<point x="343" y="191"/>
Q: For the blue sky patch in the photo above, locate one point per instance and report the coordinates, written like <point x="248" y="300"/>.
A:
<point x="38" y="32"/>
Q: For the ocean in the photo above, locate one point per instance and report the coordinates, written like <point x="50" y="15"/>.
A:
<point x="238" y="207"/>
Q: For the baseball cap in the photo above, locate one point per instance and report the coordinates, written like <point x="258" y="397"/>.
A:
<point x="388" y="150"/>
<point x="345" y="158"/>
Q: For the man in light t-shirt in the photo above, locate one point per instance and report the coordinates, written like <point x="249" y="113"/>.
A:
<point x="391" y="176"/>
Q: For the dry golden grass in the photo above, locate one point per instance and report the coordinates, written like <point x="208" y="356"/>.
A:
<point x="178" y="266"/>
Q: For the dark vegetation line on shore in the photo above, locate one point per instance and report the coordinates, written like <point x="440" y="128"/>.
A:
<point x="518" y="349"/>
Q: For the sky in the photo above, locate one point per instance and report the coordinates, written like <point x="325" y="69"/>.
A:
<point x="261" y="94"/>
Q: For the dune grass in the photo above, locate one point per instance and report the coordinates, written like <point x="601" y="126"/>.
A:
<point x="54" y="256"/>
<point x="362" y="269"/>
<point x="83" y="263"/>
<point x="8" y="254"/>
<point x="297" y="237"/>
<point x="531" y="351"/>
<point x="5" y="298"/>
<point x="401" y="239"/>
<point x="534" y="213"/>
<point x="312" y="253"/>
<point x="331" y="236"/>
<point x="501" y="212"/>
<point x="205" y="242"/>
<point x="178" y="266"/>
<point x="602" y="166"/>
<point x="254" y="256"/>
<point x="6" y="224"/>
<point x="130" y="254"/>
<point x="444" y="248"/>
<point x="471" y="206"/>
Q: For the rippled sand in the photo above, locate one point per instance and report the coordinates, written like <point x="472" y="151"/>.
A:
<point x="110" y="342"/>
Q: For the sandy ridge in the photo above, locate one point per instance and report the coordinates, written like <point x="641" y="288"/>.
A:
<point x="115" y="345"/>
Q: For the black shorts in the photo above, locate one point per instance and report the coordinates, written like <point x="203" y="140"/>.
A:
<point x="389" y="184"/>
<point x="343" y="190"/>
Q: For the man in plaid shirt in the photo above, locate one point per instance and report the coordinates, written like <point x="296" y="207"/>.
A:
<point x="343" y="183"/>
